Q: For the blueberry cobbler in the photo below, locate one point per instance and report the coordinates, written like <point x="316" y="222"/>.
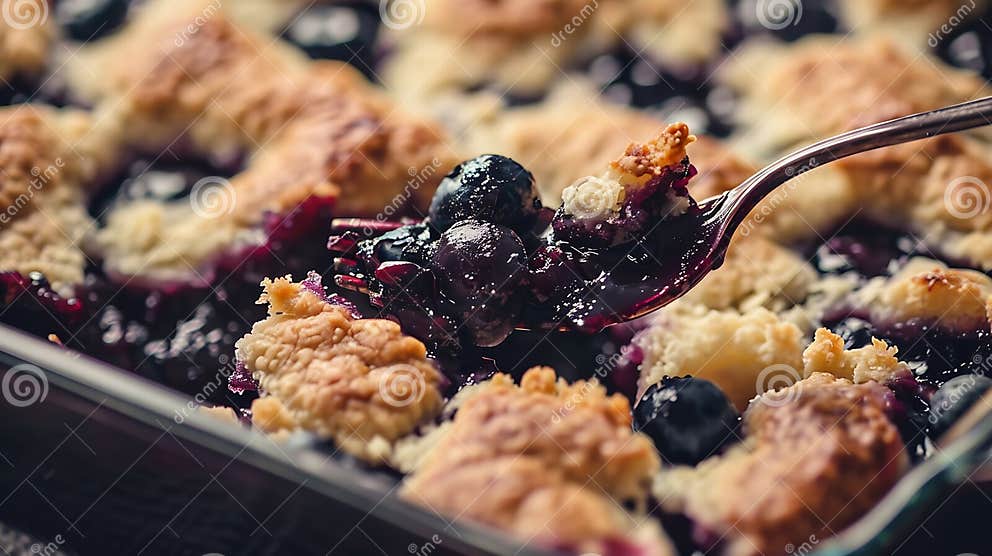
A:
<point x="416" y="241"/>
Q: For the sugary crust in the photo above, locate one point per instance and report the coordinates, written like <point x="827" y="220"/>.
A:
<point x="596" y="131"/>
<point x="726" y="347"/>
<point x="755" y="273"/>
<point x="954" y="299"/>
<point x="918" y="23"/>
<point x="825" y="85"/>
<point x="43" y="218"/>
<point x="223" y="92"/>
<point x="647" y="160"/>
<point x="513" y="452"/>
<point x="26" y="34"/>
<point x="358" y="382"/>
<point x="772" y="492"/>
<point x="937" y="188"/>
<point x="876" y="362"/>
<point x="523" y="46"/>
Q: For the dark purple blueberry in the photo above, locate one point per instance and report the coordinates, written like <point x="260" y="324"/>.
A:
<point x="85" y="20"/>
<point x="412" y="243"/>
<point x="480" y="268"/>
<point x="346" y="32"/>
<point x="953" y="399"/>
<point x="491" y="188"/>
<point x="689" y="419"/>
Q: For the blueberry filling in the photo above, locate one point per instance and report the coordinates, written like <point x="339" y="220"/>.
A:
<point x="489" y="258"/>
<point x="689" y="419"/>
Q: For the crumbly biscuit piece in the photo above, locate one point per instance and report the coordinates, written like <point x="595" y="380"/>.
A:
<point x="308" y="129"/>
<point x="755" y="273"/>
<point x="26" y="34"/>
<point x="825" y="85"/>
<point x="360" y="382"/>
<point x="574" y="134"/>
<point x="523" y="45"/>
<point x="513" y="456"/>
<point x="876" y="362"/>
<point x="819" y="455"/>
<point x="45" y="160"/>
<point x="917" y="23"/>
<point x="730" y="349"/>
<point x="955" y="299"/>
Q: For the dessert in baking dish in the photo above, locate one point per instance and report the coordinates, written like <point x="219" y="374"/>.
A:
<point x="220" y="205"/>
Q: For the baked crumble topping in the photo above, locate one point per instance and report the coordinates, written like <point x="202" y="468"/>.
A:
<point x="756" y="273"/>
<point x="875" y="362"/>
<point x="770" y="492"/>
<point x="914" y="22"/>
<point x="514" y="455"/>
<point x="43" y="218"/>
<point x="596" y="131"/>
<point x="556" y="34"/>
<point x="308" y="129"/>
<point x="545" y="460"/>
<point x="833" y="86"/>
<point x="24" y="46"/>
<point x="954" y="299"/>
<point x="357" y="381"/>
<point x="727" y="348"/>
<point x="597" y="198"/>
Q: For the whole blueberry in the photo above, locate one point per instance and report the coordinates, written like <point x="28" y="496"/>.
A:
<point x="480" y="267"/>
<point x="490" y="187"/>
<point x="689" y="419"/>
<point x="954" y="399"/>
<point x="411" y="243"/>
<point x="85" y="20"/>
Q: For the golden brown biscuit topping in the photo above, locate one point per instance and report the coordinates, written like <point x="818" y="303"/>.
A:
<point x="771" y="492"/>
<point x="650" y="159"/>
<point x="359" y="382"/>
<point x="512" y="452"/>
<point x="309" y="129"/>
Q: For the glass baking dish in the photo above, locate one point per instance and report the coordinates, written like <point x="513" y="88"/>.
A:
<point x="95" y="459"/>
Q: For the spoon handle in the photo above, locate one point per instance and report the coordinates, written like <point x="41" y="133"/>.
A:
<point x="742" y="199"/>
